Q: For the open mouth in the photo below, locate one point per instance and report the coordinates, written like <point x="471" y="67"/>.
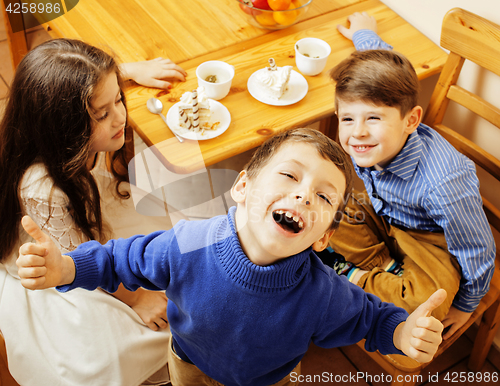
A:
<point x="288" y="221"/>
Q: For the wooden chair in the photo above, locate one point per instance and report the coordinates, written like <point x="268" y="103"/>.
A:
<point x="17" y="40"/>
<point x="466" y="36"/>
<point x="5" y="377"/>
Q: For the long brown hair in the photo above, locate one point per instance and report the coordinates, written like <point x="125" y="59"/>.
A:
<point x="48" y="119"/>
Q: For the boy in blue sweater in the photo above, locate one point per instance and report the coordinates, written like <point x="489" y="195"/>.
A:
<point x="247" y="294"/>
<point x="420" y="224"/>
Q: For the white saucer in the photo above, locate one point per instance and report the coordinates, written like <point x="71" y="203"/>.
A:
<point x="297" y="90"/>
<point x="219" y="114"/>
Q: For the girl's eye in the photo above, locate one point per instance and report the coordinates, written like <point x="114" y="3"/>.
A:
<point x="323" y="197"/>
<point x="346" y="119"/>
<point x="377" y="118"/>
<point x="288" y="175"/>
<point x="103" y="117"/>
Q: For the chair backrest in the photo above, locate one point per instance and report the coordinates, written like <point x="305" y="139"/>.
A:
<point x="467" y="36"/>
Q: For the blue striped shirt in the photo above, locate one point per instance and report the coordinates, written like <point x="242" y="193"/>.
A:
<point x="365" y="39"/>
<point x="431" y="186"/>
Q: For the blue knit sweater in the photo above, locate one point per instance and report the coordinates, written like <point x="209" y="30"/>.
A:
<point x="239" y="323"/>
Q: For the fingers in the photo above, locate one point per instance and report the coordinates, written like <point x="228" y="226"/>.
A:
<point x="425" y="339"/>
<point x="153" y="73"/>
<point x="446" y="322"/>
<point x="156" y="77"/>
<point x="420" y="356"/>
<point x="424" y="346"/>
<point x="157" y="324"/>
<point x="162" y="323"/>
<point x="33" y="283"/>
<point x="429" y="323"/>
<point x="344" y="31"/>
<point x="169" y="65"/>
<point x="423" y="350"/>
<point x="31" y="268"/>
<point x="353" y="16"/>
<point x="434" y="301"/>
<point x="428" y="330"/>
<point x="171" y="70"/>
<point x="32" y="272"/>
<point x="34" y="230"/>
<point x="422" y="333"/>
<point x="454" y="328"/>
<point x="32" y="249"/>
<point x="161" y="84"/>
<point x="173" y="74"/>
<point x="152" y="326"/>
<point x="30" y="255"/>
<point x="357" y="15"/>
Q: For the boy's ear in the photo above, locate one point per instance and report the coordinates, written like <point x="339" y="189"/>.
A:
<point x="322" y="243"/>
<point x="238" y="191"/>
<point x="413" y="119"/>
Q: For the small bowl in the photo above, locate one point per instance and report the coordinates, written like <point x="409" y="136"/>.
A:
<point x="274" y="20"/>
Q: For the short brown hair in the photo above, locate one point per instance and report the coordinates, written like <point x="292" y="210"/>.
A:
<point x="326" y="147"/>
<point x="382" y="77"/>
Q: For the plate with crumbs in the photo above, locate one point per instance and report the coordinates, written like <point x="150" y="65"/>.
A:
<point x="297" y="90"/>
<point x="221" y="118"/>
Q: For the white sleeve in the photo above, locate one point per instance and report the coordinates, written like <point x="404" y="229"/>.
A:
<point x="49" y="207"/>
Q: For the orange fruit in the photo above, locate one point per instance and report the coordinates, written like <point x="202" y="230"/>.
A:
<point x="286" y="18"/>
<point x="279" y="5"/>
<point x="297" y="4"/>
<point x="265" y="18"/>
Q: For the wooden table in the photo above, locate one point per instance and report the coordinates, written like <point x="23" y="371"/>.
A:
<point x="197" y="31"/>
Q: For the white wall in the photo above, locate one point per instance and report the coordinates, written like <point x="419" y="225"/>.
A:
<point x="427" y="16"/>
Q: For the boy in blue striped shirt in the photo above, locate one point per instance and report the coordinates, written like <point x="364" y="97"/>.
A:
<point x="420" y="223"/>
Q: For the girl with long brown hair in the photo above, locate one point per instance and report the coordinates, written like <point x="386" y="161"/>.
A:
<point x="66" y="108"/>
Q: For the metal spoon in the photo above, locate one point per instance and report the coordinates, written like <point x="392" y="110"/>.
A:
<point x="155" y="106"/>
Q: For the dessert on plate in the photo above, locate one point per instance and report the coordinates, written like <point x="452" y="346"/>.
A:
<point x="273" y="81"/>
<point x="194" y="111"/>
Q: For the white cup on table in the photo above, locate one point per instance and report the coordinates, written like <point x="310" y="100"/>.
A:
<point x="216" y="77"/>
<point x="311" y="55"/>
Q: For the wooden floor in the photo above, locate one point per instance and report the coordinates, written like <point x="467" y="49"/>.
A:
<point x="351" y="365"/>
<point x="348" y="365"/>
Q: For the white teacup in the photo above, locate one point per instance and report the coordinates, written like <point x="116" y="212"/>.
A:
<point x="311" y="55"/>
<point x="222" y="74"/>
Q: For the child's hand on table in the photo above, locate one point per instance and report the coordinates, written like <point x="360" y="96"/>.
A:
<point x="420" y="336"/>
<point x="152" y="73"/>
<point x="358" y="21"/>
<point x="41" y="264"/>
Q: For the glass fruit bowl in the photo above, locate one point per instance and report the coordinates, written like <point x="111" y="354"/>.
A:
<point x="273" y="14"/>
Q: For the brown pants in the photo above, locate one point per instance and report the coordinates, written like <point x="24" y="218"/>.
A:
<point x="366" y="239"/>
<point x="187" y="374"/>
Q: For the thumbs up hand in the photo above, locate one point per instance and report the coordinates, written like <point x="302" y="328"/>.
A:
<point x="420" y="336"/>
<point x="41" y="264"/>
